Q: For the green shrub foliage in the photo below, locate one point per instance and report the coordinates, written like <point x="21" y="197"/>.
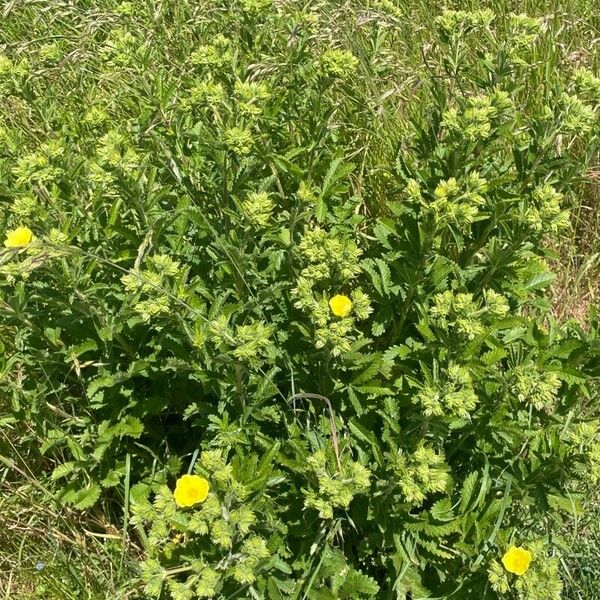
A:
<point x="199" y="195"/>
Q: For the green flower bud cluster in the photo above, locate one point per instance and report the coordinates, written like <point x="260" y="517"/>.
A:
<point x="256" y="6"/>
<point x="585" y="440"/>
<point x="239" y="140"/>
<point x="535" y="387"/>
<point x="334" y="489"/>
<point x="121" y="48"/>
<point x="209" y="92"/>
<point x="544" y="213"/>
<point x="586" y="86"/>
<point x="41" y="167"/>
<point x="9" y="68"/>
<point x="150" y="308"/>
<point x="523" y="32"/>
<point x="461" y="313"/>
<point x="457" y="203"/>
<point x="12" y="73"/>
<point x="337" y="63"/>
<point x="24" y="206"/>
<point x="114" y="150"/>
<point x="455" y="397"/>
<point x="420" y="473"/>
<point x="388" y="7"/>
<point x="455" y="23"/>
<point x="217" y="54"/>
<point x="95" y="116"/>
<point x="253" y="342"/>
<point x="258" y="208"/>
<point x="149" y="286"/>
<point x="576" y="116"/>
<point x="125" y="8"/>
<point x="251" y="96"/>
<point x="479" y="117"/>
<point x="329" y="257"/>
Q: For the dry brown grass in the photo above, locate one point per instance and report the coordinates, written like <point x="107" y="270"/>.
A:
<point x="577" y="285"/>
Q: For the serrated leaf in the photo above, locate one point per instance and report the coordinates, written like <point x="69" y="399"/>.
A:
<point x="539" y="281"/>
<point x="63" y="470"/>
<point x="320" y="210"/>
<point x="493" y="356"/>
<point x="468" y="490"/>
<point x="357" y="585"/>
<point x="442" y="510"/>
<point x="370" y="372"/>
<point x="88" y="497"/>
<point x="367" y="436"/>
<point x="337" y="170"/>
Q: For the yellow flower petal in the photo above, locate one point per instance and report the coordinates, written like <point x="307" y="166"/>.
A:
<point x="189" y="490"/>
<point x="19" y="237"/>
<point x="340" y="305"/>
<point x="517" y="560"/>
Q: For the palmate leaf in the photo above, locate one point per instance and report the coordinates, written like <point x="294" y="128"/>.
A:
<point x="333" y="562"/>
<point x="381" y="276"/>
<point x="128" y="427"/>
<point x="383" y="230"/>
<point x="53" y="438"/>
<point x="369" y="266"/>
<point x="368" y="437"/>
<point x="433" y="530"/>
<point x="112" y="479"/>
<point x="370" y="372"/>
<point x="274" y="591"/>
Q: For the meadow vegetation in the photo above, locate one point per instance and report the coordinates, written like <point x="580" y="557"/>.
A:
<point x="298" y="300"/>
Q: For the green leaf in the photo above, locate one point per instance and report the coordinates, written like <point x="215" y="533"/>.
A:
<point x="88" y="497"/>
<point x="63" y="470"/>
<point x="442" y="510"/>
<point x="468" y="490"/>
<point x="337" y="170"/>
<point x="320" y="210"/>
<point x="539" y="281"/>
<point x="367" y="436"/>
<point x="357" y="585"/>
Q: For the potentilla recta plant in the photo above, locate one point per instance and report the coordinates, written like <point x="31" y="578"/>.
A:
<point x="308" y="341"/>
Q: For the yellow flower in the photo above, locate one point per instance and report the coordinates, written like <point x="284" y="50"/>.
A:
<point x="516" y="560"/>
<point x="340" y="305"/>
<point x="189" y="490"/>
<point x="19" y="237"/>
